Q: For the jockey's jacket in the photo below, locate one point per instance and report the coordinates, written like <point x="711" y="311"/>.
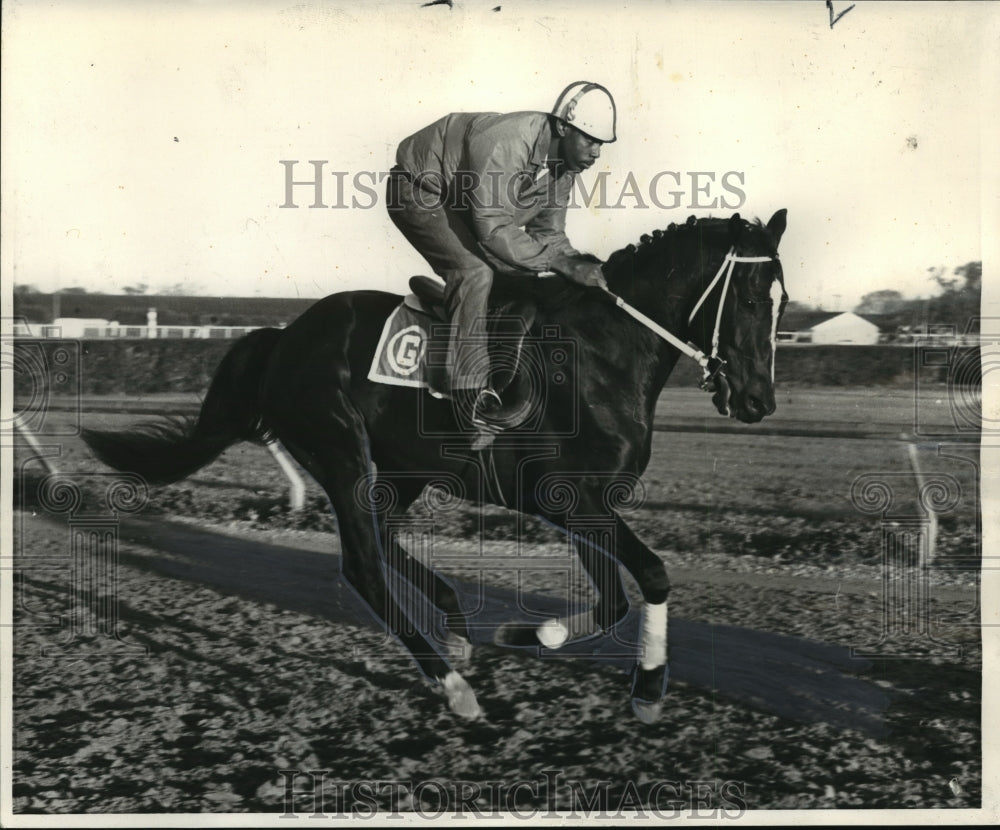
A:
<point x="499" y="163"/>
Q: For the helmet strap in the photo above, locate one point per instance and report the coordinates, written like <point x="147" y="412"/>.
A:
<point x="571" y="104"/>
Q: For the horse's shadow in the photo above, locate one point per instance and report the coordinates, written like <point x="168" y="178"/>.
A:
<point x="803" y="680"/>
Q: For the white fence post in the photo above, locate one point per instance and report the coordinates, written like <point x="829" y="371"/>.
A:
<point x="25" y="432"/>
<point x="932" y="519"/>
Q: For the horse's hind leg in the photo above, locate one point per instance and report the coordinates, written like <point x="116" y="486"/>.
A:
<point x="423" y="576"/>
<point x="338" y="458"/>
<point x="364" y="568"/>
<point x="442" y="595"/>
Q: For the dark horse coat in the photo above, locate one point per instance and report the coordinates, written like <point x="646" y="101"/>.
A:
<point x="373" y="448"/>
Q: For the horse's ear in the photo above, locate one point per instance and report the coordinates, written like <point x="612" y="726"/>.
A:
<point x="736" y="227"/>
<point x="776" y="225"/>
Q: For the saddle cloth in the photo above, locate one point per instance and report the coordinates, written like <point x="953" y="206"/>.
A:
<point x="413" y="348"/>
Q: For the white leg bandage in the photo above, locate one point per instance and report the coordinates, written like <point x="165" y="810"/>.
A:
<point x="654" y="636"/>
<point x="552" y="633"/>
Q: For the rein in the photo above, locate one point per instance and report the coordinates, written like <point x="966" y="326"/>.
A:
<point x="712" y="366"/>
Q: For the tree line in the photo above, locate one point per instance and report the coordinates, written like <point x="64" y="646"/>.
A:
<point x="957" y="304"/>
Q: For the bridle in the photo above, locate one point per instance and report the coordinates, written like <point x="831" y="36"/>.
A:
<point x="713" y="367"/>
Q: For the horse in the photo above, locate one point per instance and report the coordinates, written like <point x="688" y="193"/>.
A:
<point x="711" y="288"/>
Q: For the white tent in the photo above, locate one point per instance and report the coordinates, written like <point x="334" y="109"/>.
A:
<point x="846" y="328"/>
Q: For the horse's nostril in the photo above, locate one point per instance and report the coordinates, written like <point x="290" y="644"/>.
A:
<point x="757" y="408"/>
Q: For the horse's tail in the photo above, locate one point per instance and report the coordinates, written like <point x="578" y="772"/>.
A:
<point x="171" y="450"/>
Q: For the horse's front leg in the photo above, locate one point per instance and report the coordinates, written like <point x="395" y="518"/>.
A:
<point x="601" y="551"/>
<point x="649" y="680"/>
<point x="611" y="603"/>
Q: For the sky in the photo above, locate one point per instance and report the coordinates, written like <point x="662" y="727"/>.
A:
<point x="143" y="141"/>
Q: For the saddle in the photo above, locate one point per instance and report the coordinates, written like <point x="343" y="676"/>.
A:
<point x="533" y="367"/>
<point x="427" y="297"/>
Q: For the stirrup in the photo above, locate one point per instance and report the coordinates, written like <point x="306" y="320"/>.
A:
<point x="485" y="428"/>
<point x="496" y="415"/>
<point x="489" y="400"/>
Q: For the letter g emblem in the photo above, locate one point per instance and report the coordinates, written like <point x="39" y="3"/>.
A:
<point x="406" y="350"/>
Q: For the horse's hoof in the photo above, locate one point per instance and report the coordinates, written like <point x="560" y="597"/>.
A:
<point x="459" y="649"/>
<point x="648" y="688"/>
<point x="461" y="699"/>
<point x="648" y="711"/>
<point x="552" y="633"/>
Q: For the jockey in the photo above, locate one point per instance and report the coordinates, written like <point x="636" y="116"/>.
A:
<point x="484" y="193"/>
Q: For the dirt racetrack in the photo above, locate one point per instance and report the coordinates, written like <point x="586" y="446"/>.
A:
<point x="240" y="656"/>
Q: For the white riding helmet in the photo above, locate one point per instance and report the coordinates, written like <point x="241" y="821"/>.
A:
<point x="590" y="108"/>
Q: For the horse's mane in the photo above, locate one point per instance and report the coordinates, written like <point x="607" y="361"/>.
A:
<point x="694" y="231"/>
<point x="630" y="261"/>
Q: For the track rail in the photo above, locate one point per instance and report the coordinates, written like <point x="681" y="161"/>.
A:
<point x="711" y="425"/>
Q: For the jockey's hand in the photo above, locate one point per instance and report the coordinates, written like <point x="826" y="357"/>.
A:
<point x="581" y="271"/>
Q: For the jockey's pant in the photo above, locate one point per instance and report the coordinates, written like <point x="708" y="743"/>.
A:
<point x="444" y="239"/>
